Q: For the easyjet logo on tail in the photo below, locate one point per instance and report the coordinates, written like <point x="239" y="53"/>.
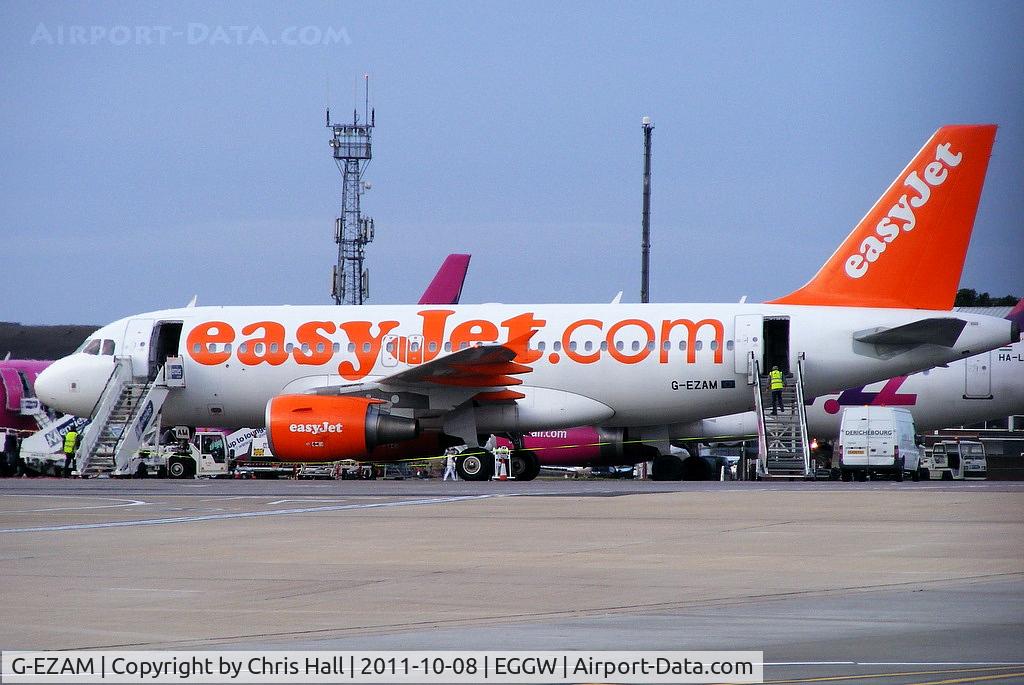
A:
<point x="901" y="216"/>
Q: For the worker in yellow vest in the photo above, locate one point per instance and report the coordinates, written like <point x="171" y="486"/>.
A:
<point x="776" y="384"/>
<point x="70" y="445"/>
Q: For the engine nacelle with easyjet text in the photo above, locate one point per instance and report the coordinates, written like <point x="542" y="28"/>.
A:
<point x="321" y="428"/>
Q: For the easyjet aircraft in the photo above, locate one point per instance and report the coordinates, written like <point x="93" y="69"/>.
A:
<point x="332" y="382"/>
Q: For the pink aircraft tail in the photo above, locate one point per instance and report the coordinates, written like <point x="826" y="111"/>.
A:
<point x="446" y="288"/>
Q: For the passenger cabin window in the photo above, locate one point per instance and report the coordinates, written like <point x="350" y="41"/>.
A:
<point x="92" y="347"/>
<point x="108" y="348"/>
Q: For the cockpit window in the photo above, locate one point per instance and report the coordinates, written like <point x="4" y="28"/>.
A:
<point x="108" y="348"/>
<point x="92" y="347"/>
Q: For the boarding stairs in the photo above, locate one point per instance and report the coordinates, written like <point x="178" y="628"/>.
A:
<point x="128" y="407"/>
<point x="783" y="449"/>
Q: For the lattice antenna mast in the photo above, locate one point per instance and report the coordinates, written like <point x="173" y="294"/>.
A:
<point x="350" y="144"/>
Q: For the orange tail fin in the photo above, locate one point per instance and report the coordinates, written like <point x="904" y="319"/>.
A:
<point x="909" y="250"/>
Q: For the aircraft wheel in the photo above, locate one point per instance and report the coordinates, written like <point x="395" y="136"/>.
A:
<point x="475" y="464"/>
<point x="525" y="465"/>
<point x="667" y="467"/>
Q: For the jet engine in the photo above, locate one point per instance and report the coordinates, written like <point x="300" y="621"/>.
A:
<point x="322" y="428"/>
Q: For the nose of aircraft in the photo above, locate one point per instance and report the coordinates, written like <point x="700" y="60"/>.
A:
<point x="73" y="385"/>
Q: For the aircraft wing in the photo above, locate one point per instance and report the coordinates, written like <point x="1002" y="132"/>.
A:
<point x="483" y="366"/>
<point x="483" y="373"/>
<point x="942" y="331"/>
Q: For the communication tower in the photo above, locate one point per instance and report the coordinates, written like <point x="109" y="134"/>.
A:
<point x="350" y="144"/>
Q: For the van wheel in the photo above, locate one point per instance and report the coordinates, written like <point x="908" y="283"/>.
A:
<point x="846" y="476"/>
<point x="915" y="475"/>
<point x="947" y="475"/>
<point x="924" y="474"/>
<point x="862" y="476"/>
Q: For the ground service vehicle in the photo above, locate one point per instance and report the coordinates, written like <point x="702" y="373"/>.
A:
<point x="877" y="441"/>
<point x="972" y="454"/>
<point x="954" y="460"/>
<point x="204" y="455"/>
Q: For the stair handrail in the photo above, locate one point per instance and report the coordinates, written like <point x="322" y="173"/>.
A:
<point x="131" y="437"/>
<point x="801" y="409"/>
<point x="119" y="375"/>
<point x="762" y="436"/>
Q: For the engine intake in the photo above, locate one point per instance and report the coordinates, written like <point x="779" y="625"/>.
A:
<point x="323" y="428"/>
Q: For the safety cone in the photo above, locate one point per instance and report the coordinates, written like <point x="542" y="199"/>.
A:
<point x="503" y="473"/>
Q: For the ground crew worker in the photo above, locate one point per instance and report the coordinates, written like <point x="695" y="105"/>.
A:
<point x="70" y="445"/>
<point x="776" y="385"/>
<point x="449" y="465"/>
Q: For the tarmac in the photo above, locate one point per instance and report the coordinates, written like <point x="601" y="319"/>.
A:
<point x="836" y="582"/>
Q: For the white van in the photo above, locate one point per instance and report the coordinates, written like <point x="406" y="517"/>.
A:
<point x="876" y="441"/>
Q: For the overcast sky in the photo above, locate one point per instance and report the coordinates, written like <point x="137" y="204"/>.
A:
<point x="152" y="151"/>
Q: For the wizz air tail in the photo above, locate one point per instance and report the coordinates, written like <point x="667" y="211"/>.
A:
<point x="446" y="288"/>
<point x="908" y="251"/>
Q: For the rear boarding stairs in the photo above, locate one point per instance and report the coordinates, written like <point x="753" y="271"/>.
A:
<point x="783" y="449"/>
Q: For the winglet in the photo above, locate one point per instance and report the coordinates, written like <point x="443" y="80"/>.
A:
<point x="446" y="288"/>
<point x="909" y="250"/>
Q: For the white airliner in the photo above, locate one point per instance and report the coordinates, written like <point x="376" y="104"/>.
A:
<point x="333" y="382"/>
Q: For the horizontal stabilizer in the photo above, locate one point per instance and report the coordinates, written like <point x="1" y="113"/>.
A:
<point x="938" y="331"/>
